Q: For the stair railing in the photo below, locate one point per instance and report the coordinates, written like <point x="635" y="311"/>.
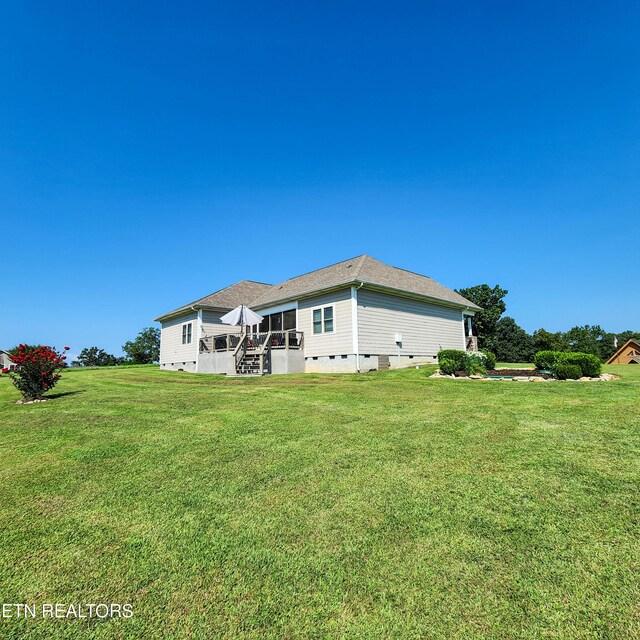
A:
<point x="239" y="351"/>
<point x="265" y="351"/>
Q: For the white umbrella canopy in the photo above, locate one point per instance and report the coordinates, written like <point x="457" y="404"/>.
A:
<point x="241" y="316"/>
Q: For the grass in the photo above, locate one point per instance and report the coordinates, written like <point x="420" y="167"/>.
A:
<point x="382" y="505"/>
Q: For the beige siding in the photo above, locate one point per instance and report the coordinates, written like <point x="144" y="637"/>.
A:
<point x="425" y="327"/>
<point x="171" y="347"/>
<point x="211" y="325"/>
<point x="327" y="344"/>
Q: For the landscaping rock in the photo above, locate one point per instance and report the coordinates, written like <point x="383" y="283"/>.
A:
<point x="605" y="377"/>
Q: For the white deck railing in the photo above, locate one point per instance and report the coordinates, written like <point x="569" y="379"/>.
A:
<point x="290" y="339"/>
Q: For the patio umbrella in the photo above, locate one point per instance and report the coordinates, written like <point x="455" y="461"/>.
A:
<point x="241" y="316"/>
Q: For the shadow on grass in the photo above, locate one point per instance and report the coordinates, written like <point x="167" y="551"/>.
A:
<point x="53" y="396"/>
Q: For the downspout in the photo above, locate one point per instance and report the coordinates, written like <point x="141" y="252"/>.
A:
<point x="356" y="338"/>
<point x="198" y="332"/>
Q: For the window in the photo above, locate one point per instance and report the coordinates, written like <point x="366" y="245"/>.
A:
<point x="289" y="319"/>
<point x="276" y="321"/>
<point x="284" y="320"/>
<point x="328" y="319"/>
<point x="317" y="321"/>
<point x="323" y="320"/>
<point x="186" y="333"/>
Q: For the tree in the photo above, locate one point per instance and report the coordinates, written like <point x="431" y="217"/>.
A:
<point x="95" y="357"/>
<point x="36" y="369"/>
<point x="145" y="349"/>
<point x="589" y="339"/>
<point x="544" y="340"/>
<point x="493" y="306"/>
<point x="510" y="342"/>
<point x="625" y="336"/>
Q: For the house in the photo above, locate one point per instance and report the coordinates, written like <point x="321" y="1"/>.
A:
<point x="357" y="315"/>
<point x="5" y="361"/>
<point x="628" y="353"/>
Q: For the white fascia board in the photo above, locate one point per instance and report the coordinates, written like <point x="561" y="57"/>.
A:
<point x="288" y="306"/>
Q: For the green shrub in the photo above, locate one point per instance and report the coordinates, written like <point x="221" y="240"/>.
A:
<point x="475" y="363"/>
<point x="458" y="357"/>
<point x="590" y="365"/>
<point x="454" y="360"/>
<point x="35" y="369"/>
<point x="565" y="371"/>
<point x="475" y="368"/>
<point x="490" y="359"/>
<point x="546" y="360"/>
<point x="447" y="366"/>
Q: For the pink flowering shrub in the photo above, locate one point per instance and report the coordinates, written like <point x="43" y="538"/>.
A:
<point x="36" y="370"/>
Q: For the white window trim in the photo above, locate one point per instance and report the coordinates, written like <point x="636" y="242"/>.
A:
<point x="187" y="334"/>
<point x="333" y="317"/>
<point x="278" y="308"/>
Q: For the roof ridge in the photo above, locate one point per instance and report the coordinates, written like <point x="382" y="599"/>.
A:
<point x="362" y="259"/>
<point x="335" y="264"/>
<point x="217" y="291"/>
<point x="415" y="273"/>
<point x="235" y="284"/>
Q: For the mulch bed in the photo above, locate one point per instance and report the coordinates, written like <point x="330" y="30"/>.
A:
<point x="518" y="372"/>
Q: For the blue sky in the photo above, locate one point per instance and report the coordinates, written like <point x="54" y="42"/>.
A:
<point x="165" y="150"/>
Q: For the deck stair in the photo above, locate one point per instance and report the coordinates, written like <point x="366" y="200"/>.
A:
<point x="249" y="365"/>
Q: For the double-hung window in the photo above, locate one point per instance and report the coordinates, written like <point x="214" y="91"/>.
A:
<point x="186" y="333"/>
<point x="323" y="320"/>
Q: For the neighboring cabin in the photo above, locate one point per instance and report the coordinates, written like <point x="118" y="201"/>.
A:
<point x="356" y="315"/>
<point x="5" y="362"/>
<point x="628" y="353"/>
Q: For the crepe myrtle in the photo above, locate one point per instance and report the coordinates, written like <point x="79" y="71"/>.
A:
<point x="35" y="369"/>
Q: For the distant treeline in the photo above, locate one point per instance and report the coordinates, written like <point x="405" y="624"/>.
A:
<point x="511" y="343"/>
<point x="145" y="349"/>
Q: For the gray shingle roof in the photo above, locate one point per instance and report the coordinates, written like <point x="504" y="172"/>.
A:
<point x="362" y="268"/>
<point x="228" y="298"/>
<point x="365" y="269"/>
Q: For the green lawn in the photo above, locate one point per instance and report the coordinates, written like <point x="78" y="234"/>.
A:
<point x="383" y="505"/>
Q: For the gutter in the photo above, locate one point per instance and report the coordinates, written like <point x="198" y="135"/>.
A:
<point x="178" y="312"/>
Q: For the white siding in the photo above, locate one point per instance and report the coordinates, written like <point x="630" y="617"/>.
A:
<point x="327" y="344"/>
<point x="5" y="361"/>
<point x="171" y="347"/>
<point x="425" y="327"/>
<point x="211" y="325"/>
